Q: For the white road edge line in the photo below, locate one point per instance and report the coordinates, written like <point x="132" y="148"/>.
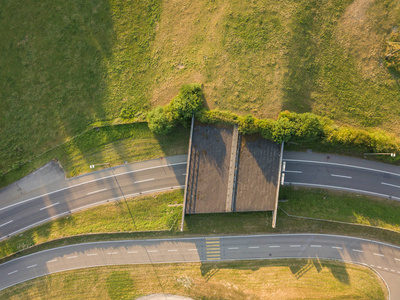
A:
<point x="90" y="181"/>
<point x="54" y="204"/>
<point x="341" y="176"/>
<point x="392" y="185"/>
<point x="102" y="190"/>
<point x="377" y="254"/>
<point x="145" y="180"/>
<point x="13" y="272"/>
<point x="342" y="165"/>
<point x="31" y="266"/>
<point x="6" y="223"/>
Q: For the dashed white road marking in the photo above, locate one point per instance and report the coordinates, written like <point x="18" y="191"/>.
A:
<point x="110" y="253"/>
<point x="173" y="250"/>
<point x="31" y="266"/>
<point x="397" y="259"/>
<point x="53" y="260"/>
<point x="102" y="190"/>
<point x="315" y="246"/>
<point x="132" y="251"/>
<point x="295" y="246"/>
<point x="233" y="248"/>
<point x="356" y="250"/>
<point x="392" y="270"/>
<point x="298" y="172"/>
<point x="372" y="266"/>
<point x="274" y="246"/>
<point x="192" y="249"/>
<point x="392" y="185"/>
<point x="283" y="166"/>
<point x="145" y="180"/>
<point x="75" y="256"/>
<point x="254" y="247"/>
<point x="379" y="267"/>
<point x="377" y="254"/>
<point x="184" y="174"/>
<point x="91" y="254"/>
<point x="334" y="247"/>
<point x="386" y="269"/>
<point x="151" y="251"/>
<point x="54" y="204"/>
<point x="13" y="272"/>
<point x="6" y="223"/>
<point x="341" y="176"/>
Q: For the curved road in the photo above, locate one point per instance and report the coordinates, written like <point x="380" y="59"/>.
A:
<point x="383" y="258"/>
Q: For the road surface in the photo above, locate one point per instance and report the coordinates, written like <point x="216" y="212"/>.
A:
<point x="383" y="258"/>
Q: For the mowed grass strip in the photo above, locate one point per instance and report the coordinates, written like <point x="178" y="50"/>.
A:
<point x="109" y="144"/>
<point x="273" y="279"/>
<point x="340" y="206"/>
<point x="145" y="213"/>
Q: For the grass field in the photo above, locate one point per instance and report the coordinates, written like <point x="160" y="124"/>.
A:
<point x="111" y="144"/>
<point x="301" y="279"/>
<point x="66" y="65"/>
<point x="340" y="206"/>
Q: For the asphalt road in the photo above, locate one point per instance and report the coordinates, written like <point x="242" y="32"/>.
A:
<point x="91" y="190"/>
<point x="383" y="258"/>
<point x="342" y="173"/>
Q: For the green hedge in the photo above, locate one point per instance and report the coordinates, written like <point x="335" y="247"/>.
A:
<point x="304" y="129"/>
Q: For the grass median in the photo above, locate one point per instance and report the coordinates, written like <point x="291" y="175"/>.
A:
<point x="275" y="279"/>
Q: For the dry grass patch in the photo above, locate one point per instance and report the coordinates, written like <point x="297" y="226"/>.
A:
<point x="275" y="279"/>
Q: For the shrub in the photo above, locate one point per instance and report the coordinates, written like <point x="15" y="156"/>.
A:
<point x="188" y="101"/>
<point x="161" y="120"/>
<point x="247" y="125"/>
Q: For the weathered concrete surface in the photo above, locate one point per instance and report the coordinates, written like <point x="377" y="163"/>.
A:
<point x="258" y="174"/>
<point x="208" y="178"/>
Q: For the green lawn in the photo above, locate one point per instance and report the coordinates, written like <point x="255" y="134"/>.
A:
<point x="275" y="279"/>
<point x="340" y="206"/>
<point x="113" y="144"/>
<point x="67" y="65"/>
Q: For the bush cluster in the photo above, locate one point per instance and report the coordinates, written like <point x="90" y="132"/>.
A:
<point x="304" y="129"/>
<point x="189" y="101"/>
